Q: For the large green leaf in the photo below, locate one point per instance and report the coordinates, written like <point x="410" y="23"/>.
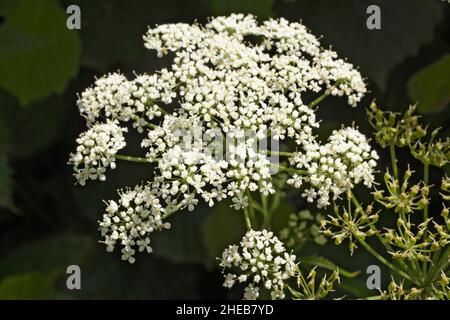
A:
<point x="38" y="55"/>
<point x="430" y="87"/>
<point x="222" y="227"/>
<point x="406" y="25"/>
<point x="28" y="286"/>
<point x="103" y="274"/>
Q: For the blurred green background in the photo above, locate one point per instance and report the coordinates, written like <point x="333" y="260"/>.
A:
<point x="47" y="223"/>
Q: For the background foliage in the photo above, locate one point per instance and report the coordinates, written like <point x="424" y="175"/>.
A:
<point x="46" y="223"/>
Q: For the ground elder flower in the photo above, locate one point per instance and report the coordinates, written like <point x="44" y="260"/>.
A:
<point x="96" y="151"/>
<point x="260" y="261"/>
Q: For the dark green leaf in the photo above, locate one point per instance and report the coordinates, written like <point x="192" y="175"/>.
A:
<point x="38" y="55"/>
<point x="28" y="286"/>
<point x="51" y="254"/>
<point x="430" y="87"/>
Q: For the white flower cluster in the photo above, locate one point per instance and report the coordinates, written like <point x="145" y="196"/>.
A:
<point x="131" y="220"/>
<point x="228" y="78"/>
<point x="260" y="260"/>
<point x="96" y="151"/>
<point x="113" y="96"/>
<point x="335" y="167"/>
<point x="190" y="170"/>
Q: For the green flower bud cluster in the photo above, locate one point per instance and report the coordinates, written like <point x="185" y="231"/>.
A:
<point x="415" y="243"/>
<point x="392" y="128"/>
<point x="401" y="198"/>
<point x="438" y="290"/>
<point x="301" y="227"/>
<point x="350" y="224"/>
<point x="445" y="187"/>
<point x="416" y="247"/>
<point x="436" y="153"/>
<point x="309" y="289"/>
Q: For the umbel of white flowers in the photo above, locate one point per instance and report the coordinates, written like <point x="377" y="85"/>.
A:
<point x="220" y="79"/>
<point x="260" y="260"/>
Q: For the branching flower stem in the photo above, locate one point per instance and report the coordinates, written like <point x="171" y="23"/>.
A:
<point x="377" y="255"/>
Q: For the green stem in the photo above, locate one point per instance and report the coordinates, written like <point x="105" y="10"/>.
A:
<point x="291" y="170"/>
<point x="280" y="153"/>
<point x="266" y="212"/>
<point x="441" y="265"/>
<point x="148" y="124"/>
<point x="247" y="219"/>
<point x="251" y="208"/>
<point x="386" y="245"/>
<point x="393" y="160"/>
<point x="382" y="259"/>
<point x="132" y="159"/>
<point x="318" y="100"/>
<point x="426" y="173"/>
